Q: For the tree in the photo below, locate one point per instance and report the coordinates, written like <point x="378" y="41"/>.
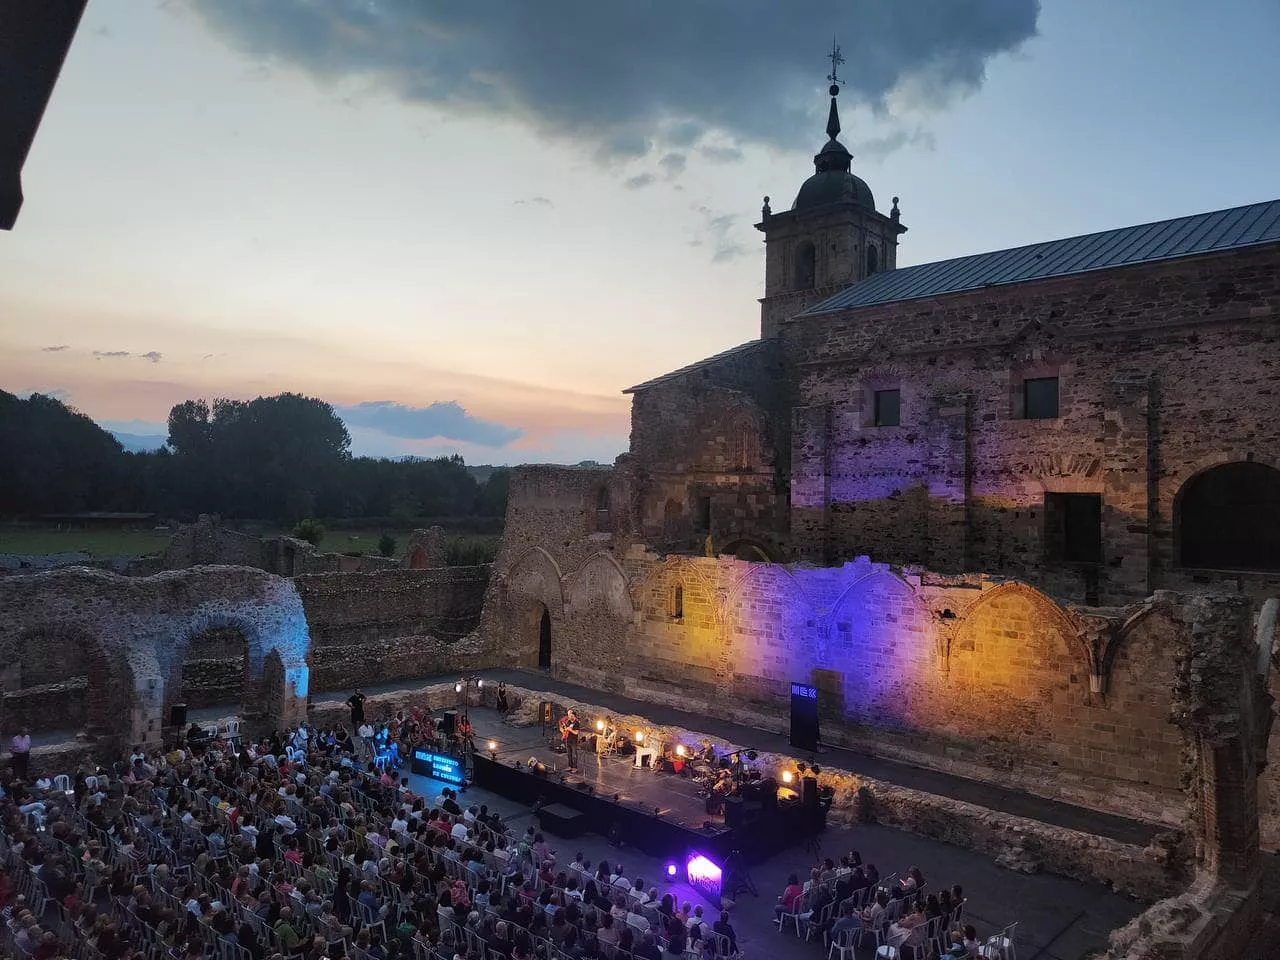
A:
<point x="387" y="545"/>
<point x="309" y="531"/>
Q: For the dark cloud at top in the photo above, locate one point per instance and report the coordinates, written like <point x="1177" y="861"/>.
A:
<point x="443" y="419"/>
<point x="626" y="78"/>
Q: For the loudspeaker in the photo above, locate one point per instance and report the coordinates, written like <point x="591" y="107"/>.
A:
<point x="734" y="814"/>
<point x="809" y="791"/>
<point x="449" y="722"/>
<point x="178" y="715"/>
<point x="769" y="794"/>
<point x="804" y="717"/>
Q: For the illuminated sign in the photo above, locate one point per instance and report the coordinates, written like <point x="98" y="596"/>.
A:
<point x="804" y="690"/>
<point x="439" y="766"/>
<point x="705" y="877"/>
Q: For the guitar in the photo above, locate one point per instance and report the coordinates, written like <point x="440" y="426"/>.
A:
<point x="568" y="728"/>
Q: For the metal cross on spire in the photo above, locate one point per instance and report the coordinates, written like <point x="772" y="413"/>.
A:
<point x="836" y="60"/>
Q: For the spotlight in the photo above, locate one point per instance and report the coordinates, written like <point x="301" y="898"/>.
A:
<point x="600" y="725"/>
<point x="493" y="749"/>
<point x="480" y="682"/>
<point x="752" y="755"/>
<point x="671" y="872"/>
<point x="787" y="776"/>
<point x="639" y="736"/>
<point x="680" y="751"/>
<point x="457" y="687"/>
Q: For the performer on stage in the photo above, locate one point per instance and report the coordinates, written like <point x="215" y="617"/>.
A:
<point x="569" y="733"/>
<point x="503" y="706"/>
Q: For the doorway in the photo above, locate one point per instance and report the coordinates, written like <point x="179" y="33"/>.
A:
<point x="544" y="640"/>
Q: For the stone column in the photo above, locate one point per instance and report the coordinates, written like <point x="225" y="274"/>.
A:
<point x="811" y="482"/>
<point x="950" y="473"/>
<point x="1126" y="561"/>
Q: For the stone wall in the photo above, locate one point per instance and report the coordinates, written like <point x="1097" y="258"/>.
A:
<point x="131" y="634"/>
<point x="980" y="676"/>
<point x="1149" y="359"/>
<point x="371" y="628"/>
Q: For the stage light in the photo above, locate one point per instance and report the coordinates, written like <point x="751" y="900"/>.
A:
<point x="671" y="871"/>
<point x="787" y="776"/>
<point x="680" y="751"/>
<point x="493" y="749"/>
<point x="480" y="682"/>
<point x="600" y="725"/>
<point x="639" y="736"/>
<point x="801" y="767"/>
<point x="457" y="688"/>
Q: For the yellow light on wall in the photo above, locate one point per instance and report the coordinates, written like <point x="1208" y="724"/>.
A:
<point x="680" y="750"/>
<point x="639" y="736"/>
<point x="600" y="725"/>
<point x="787" y="776"/>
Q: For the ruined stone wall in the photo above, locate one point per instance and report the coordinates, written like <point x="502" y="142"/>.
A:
<point x="131" y="634"/>
<point x="1151" y="362"/>
<point x="371" y="628"/>
<point x="985" y="678"/>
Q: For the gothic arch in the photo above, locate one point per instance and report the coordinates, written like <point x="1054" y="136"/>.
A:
<point x="536" y="574"/>
<point x="881" y="635"/>
<point x="746" y="548"/>
<point x="109" y="679"/>
<point x="1217" y="517"/>
<point x="601" y="577"/>
<point x="699" y="587"/>
<point x="1065" y="623"/>
<point x="770" y="623"/>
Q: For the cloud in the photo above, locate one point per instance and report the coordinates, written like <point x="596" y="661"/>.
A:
<point x="626" y="78"/>
<point x="639" y="181"/>
<point x="445" y="419"/>
<point x="535" y="202"/>
<point x="114" y="354"/>
<point x="881" y="147"/>
<point x="57" y="349"/>
<point x="721" y="154"/>
<point x="155" y="356"/>
<point x="673" y="164"/>
<point x="718" y="231"/>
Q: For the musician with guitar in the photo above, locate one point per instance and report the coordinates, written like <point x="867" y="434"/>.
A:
<point x="569" y="733"/>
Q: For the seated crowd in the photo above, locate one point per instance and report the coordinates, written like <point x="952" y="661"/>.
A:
<point x="851" y="902"/>
<point x="292" y="847"/>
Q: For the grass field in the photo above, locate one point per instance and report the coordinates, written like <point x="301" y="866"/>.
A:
<point x="468" y="548"/>
<point x="97" y="543"/>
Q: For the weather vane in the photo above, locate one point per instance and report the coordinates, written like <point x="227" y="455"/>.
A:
<point x="836" y="60"/>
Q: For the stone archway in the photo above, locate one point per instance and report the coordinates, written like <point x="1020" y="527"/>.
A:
<point x="745" y="548"/>
<point x="1219" y="514"/>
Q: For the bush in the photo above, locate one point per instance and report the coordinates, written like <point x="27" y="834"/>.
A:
<point x="309" y="531"/>
<point x="461" y="551"/>
<point x="387" y="545"/>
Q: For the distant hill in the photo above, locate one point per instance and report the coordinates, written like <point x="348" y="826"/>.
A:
<point x="481" y="474"/>
<point x="139" y="442"/>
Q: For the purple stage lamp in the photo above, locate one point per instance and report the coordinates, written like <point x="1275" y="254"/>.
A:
<point x="671" y="872"/>
<point x="705" y="876"/>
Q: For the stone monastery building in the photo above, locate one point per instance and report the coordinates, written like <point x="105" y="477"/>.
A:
<point x="959" y="498"/>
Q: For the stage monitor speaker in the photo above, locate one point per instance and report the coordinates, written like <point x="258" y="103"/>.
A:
<point x="734" y="813"/>
<point x="804" y="717"/>
<point x="547" y="712"/>
<point x="769" y="794"/>
<point x="178" y="715"/>
<point x="809" y="791"/>
<point x="449" y="722"/>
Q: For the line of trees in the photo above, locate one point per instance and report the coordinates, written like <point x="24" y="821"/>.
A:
<point x="277" y="459"/>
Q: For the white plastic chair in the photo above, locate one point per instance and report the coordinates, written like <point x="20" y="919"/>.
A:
<point x="63" y="782"/>
<point x="842" y="945"/>
<point x="1003" y="942"/>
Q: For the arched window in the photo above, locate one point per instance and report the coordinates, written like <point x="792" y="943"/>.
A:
<point x="677" y="602"/>
<point x="744" y="447"/>
<point x="873" y="259"/>
<point x="806" y="261"/>
<point x="604" y="523"/>
<point x="1224" y="518"/>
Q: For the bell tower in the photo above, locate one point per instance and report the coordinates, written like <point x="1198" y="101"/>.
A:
<point x="831" y="237"/>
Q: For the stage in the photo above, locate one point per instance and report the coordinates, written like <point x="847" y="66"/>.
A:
<point x="661" y="814"/>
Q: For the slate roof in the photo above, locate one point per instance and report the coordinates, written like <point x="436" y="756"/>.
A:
<point x="1246" y="226"/>
<point x="740" y="350"/>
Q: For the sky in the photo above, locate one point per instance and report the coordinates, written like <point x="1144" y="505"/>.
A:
<point x="470" y="226"/>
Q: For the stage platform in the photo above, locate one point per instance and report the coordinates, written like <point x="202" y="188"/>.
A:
<point x="662" y="814"/>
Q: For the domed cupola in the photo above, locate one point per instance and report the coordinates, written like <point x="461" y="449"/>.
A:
<point x="832" y="182"/>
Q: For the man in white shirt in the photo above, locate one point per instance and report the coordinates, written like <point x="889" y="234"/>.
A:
<point x="20" y="747"/>
<point x="459" y="831"/>
<point x="365" y="733"/>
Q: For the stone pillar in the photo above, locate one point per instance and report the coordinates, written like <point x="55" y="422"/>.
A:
<point x="147" y="714"/>
<point x="947" y="534"/>
<point x="1126" y="560"/>
<point x="811" y="482"/>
